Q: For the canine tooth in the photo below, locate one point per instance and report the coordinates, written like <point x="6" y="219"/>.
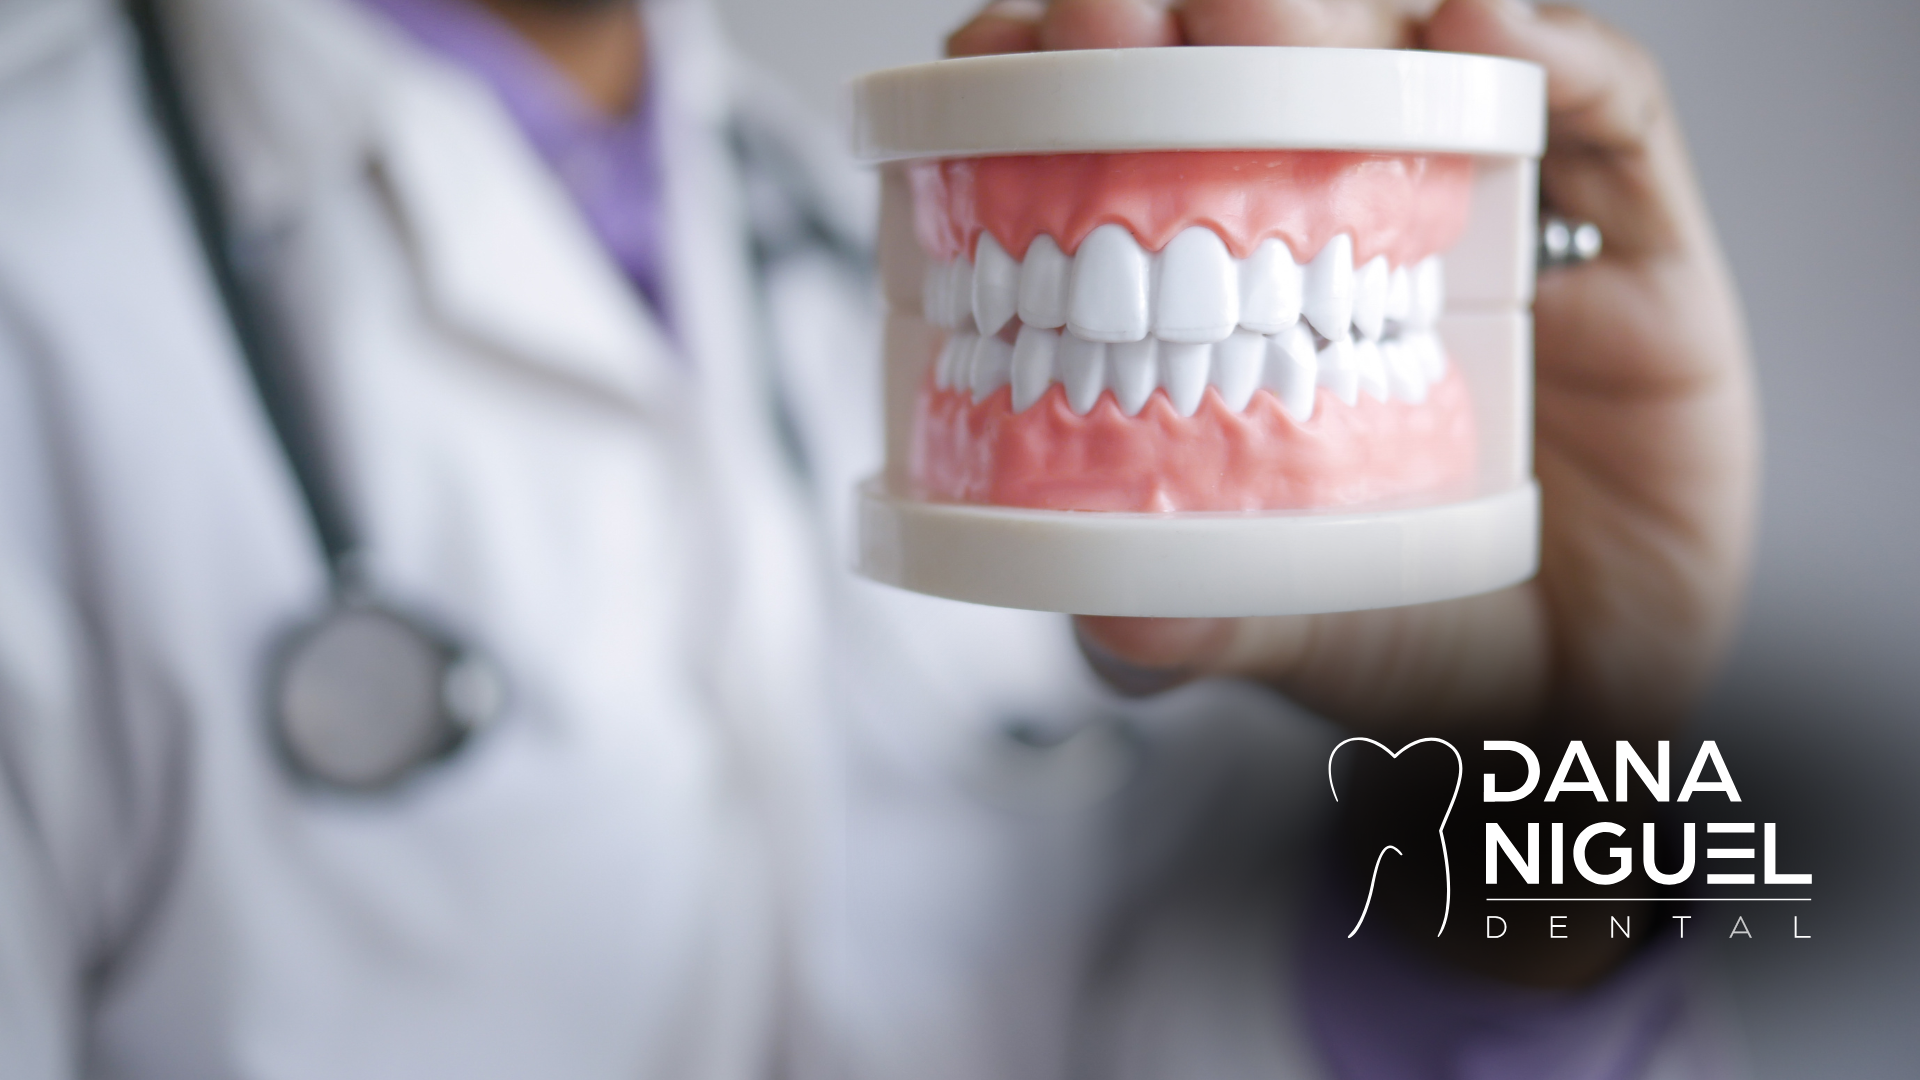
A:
<point x="1083" y="371"/>
<point x="1293" y="371"/>
<point x="1043" y="284"/>
<point x="1429" y="292"/>
<point x="1372" y="368"/>
<point x="1403" y="371"/>
<point x="1270" y="288"/>
<point x="995" y="286"/>
<point x="1032" y="365"/>
<point x="1198" y="298"/>
<point x="1130" y="371"/>
<point x="1327" y="294"/>
<point x="1337" y="370"/>
<point x="1108" y="298"/>
<point x="1237" y="362"/>
<point x="1369" y="298"/>
<point x="1183" y="371"/>
<point x="992" y="362"/>
<point x="955" y="358"/>
<point x="1399" y="295"/>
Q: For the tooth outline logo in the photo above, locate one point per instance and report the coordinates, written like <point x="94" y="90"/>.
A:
<point x="1446" y="861"/>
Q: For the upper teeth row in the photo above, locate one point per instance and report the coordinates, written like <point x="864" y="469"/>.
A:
<point x="1291" y="364"/>
<point x="1192" y="291"/>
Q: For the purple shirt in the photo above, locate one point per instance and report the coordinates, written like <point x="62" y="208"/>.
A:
<point x="1380" y="1010"/>
<point x="610" y="164"/>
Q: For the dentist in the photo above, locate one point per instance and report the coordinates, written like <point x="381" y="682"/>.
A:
<point x="425" y="435"/>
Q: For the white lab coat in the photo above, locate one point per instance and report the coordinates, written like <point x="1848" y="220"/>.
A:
<point x="744" y="808"/>
<point x="746" y="815"/>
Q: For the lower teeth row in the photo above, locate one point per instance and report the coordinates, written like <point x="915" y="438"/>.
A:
<point x="1401" y="366"/>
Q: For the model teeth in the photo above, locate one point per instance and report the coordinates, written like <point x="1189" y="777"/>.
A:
<point x="1131" y="373"/>
<point x="1270" y="288"/>
<point x="1115" y="317"/>
<point x="1184" y="367"/>
<point x="1083" y="371"/>
<point x="1293" y="371"/>
<point x="1339" y="370"/>
<point x="1032" y="365"/>
<point x="1198" y="299"/>
<point x="1237" y="365"/>
<point x="1327" y="300"/>
<point x="1369" y="298"/>
<point x="1043" y="284"/>
<point x="992" y="366"/>
<point x="1372" y="368"/>
<point x="996" y="285"/>
<point x="1290" y="364"/>
<point x="1107" y="300"/>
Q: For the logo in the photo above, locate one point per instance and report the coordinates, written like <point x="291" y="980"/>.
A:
<point x="1439" y="832"/>
<point x="1577" y="842"/>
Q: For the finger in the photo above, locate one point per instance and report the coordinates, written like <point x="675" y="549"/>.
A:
<point x="1001" y="27"/>
<point x="1614" y="155"/>
<point x="1107" y="24"/>
<point x="1379" y="24"/>
<point x="1138" y="657"/>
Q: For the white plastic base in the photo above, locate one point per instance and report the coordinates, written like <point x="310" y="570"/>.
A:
<point x="1284" y="562"/>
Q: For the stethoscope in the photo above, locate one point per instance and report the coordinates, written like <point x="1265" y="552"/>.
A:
<point x="365" y="694"/>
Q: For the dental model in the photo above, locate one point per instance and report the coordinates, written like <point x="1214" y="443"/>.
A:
<point x="1205" y="331"/>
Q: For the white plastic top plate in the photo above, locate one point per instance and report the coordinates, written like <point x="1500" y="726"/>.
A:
<point x="1202" y="98"/>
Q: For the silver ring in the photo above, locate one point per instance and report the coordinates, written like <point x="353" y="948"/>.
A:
<point x="1566" y="242"/>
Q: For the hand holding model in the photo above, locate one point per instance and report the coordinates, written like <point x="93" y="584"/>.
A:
<point x="1646" y="447"/>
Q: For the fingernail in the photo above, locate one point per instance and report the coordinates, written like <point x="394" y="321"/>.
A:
<point x="1127" y="677"/>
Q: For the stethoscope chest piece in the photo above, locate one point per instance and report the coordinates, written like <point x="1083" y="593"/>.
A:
<point x="366" y="695"/>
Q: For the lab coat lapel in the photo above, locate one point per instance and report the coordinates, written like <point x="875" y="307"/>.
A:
<point x="503" y="253"/>
<point x="503" y="256"/>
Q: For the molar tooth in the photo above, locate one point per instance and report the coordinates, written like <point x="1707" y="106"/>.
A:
<point x="1429" y="292"/>
<point x="1183" y="371"/>
<point x="1337" y="370"/>
<point x="1293" y="371"/>
<point x="1270" y="288"/>
<point x="992" y="361"/>
<point x="1043" y="284"/>
<point x="1130" y="370"/>
<point x="995" y="285"/>
<point x="1370" y="298"/>
<point x="956" y="356"/>
<point x="1108" y="296"/>
<point x="1198" y="297"/>
<point x="1083" y="371"/>
<point x="1236" y="367"/>
<point x="1372" y="368"/>
<point x="1399" y="295"/>
<point x="1403" y="372"/>
<point x="1327" y="294"/>
<point x="1032" y="365"/>
<point x="1432" y="356"/>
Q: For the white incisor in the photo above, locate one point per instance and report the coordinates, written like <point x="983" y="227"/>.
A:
<point x="1116" y="318"/>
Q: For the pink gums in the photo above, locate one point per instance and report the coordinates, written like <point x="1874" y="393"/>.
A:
<point x="1407" y="206"/>
<point x="1048" y="458"/>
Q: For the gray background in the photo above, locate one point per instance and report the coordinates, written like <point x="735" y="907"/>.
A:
<point x="1804" y="120"/>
